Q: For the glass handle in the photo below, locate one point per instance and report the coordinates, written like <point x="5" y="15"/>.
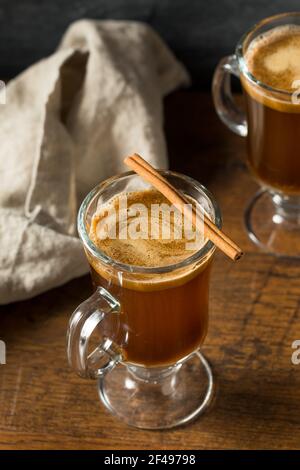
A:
<point x="228" y="111"/>
<point x="99" y="314"/>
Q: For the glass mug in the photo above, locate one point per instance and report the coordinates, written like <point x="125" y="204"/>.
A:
<point x="272" y="127"/>
<point x="139" y="333"/>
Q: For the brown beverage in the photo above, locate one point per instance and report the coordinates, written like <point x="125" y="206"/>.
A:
<point x="165" y="315"/>
<point x="273" y="118"/>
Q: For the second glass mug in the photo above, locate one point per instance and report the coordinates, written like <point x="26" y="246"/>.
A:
<point x="272" y="127"/>
<point x="140" y="332"/>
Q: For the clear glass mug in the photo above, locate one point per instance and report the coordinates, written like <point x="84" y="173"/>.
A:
<point x="140" y="332"/>
<point x="271" y="124"/>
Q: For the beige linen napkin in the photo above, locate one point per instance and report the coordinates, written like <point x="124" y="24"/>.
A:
<point x="67" y="123"/>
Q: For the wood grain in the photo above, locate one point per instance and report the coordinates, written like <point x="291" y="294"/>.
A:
<point x="253" y="321"/>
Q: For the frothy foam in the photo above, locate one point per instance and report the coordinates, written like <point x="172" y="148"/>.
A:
<point x="170" y="243"/>
<point x="274" y="57"/>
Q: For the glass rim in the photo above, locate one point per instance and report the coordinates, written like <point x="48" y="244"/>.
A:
<point x="242" y="62"/>
<point x="104" y="258"/>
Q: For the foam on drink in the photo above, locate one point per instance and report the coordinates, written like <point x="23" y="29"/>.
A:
<point x="274" y="57"/>
<point x="147" y="237"/>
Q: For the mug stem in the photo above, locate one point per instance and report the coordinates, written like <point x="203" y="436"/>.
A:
<point x="287" y="207"/>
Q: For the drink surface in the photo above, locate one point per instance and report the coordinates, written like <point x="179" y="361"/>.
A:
<point x="143" y="231"/>
<point x="273" y="57"/>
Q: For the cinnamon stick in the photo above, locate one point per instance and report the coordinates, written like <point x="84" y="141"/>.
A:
<point x="151" y="175"/>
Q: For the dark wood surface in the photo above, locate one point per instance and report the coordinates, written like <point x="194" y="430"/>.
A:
<point x="254" y="318"/>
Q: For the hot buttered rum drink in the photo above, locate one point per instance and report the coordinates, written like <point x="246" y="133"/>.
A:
<point x="164" y="316"/>
<point x="273" y="58"/>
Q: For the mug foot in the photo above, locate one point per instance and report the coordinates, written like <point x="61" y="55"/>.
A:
<point x="273" y="223"/>
<point x="158" y="398"/>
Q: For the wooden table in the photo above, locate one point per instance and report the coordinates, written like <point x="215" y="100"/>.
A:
<point x="253" y="321"/>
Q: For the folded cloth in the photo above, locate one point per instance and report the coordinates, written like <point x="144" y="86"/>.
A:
<point x="67" y="124"/>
